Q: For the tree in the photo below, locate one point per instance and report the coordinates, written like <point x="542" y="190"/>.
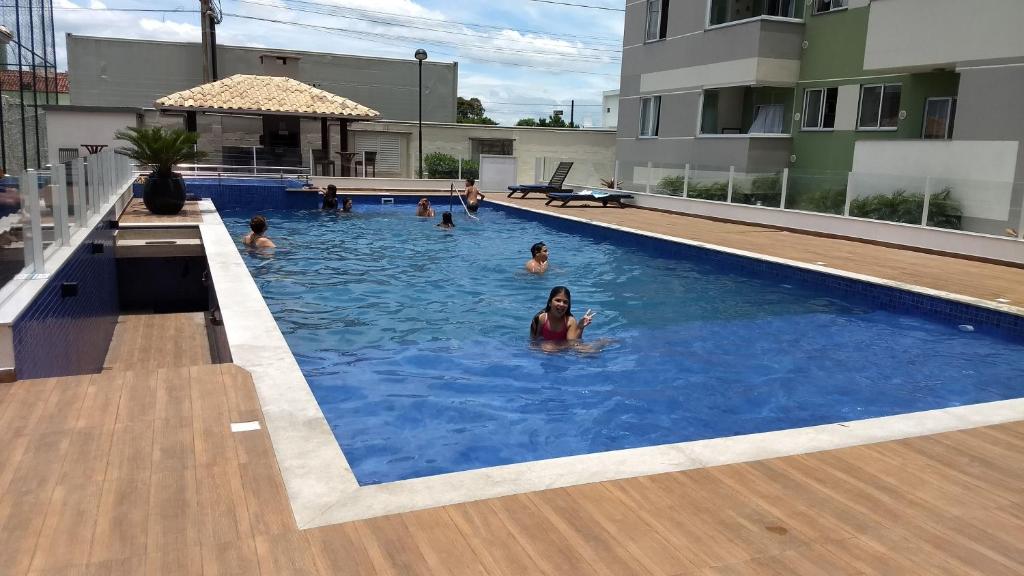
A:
<point x="471" y="111"/>
<point x="549" y="122"/>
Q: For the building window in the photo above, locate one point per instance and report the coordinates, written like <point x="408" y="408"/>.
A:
<point x="657" y="20"/>
<point x="879" y="107"/>
<point x="820" y="108"/>
<point x="828" y="5"/>
<point x="938" y="118"/>
<point x="725" y="11"/>
<point x="650" y="110"/>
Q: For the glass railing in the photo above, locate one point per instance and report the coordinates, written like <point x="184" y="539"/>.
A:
<point x="980" y="206"/>
<point x="43" y="210"/>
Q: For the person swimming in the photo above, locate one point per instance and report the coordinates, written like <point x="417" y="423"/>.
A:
<point x="256" y="238"/>
<point x="346" y="204"/>
<point x="330" y="198"/>
<point x="424" y="209"/>
<point x="446" y="221"/>
<point x="556" y="322"/>
<point x="539" y="263"/>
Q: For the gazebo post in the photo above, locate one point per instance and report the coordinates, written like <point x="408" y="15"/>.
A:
<point x="342" y="144"/>
<point x="325" y="148"/>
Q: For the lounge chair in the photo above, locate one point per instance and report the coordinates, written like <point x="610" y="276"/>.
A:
<point x="587" y="196"/>
<point x="553" y="185"/>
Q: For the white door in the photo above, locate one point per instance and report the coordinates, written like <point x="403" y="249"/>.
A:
<point x="497" y="173"/>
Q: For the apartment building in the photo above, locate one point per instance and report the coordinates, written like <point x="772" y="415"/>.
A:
<point x="922" y="87"/>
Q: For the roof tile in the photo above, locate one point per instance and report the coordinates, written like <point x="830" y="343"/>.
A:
<point x="248" y="93"/>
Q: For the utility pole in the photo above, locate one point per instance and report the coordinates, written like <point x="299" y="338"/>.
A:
<point x="209" y="17"/>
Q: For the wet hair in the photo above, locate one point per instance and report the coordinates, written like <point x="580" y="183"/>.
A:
<point x="470" y="181"/>
<point x="568" y="296"/>
<point x="332" y="189"/>
<point x="536" y="248"/>
<point x="424" y="199"/>
<point x="258" y="224"/>
<point x="345" y="200"/>
<point x="446" y="219"/>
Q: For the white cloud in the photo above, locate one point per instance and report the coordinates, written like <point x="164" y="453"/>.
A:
<point x="170" y="30"/>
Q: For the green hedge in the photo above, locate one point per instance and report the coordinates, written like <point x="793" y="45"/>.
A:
<point x="441" y="165"/>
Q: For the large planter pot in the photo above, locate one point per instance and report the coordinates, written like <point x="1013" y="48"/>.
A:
<point x="164" y="194"/>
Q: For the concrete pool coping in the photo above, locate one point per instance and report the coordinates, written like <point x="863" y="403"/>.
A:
<point x="323" y="490"/>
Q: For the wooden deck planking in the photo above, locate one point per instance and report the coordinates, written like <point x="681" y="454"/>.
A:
<point x="155" y="341"/>
<point x="138" y="473"/>
<point x="956" y="275"/>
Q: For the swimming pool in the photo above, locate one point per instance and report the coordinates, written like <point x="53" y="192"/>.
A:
<point x="414" y="342"/>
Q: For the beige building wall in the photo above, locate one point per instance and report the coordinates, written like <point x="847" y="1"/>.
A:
<point x="591" y="150"/>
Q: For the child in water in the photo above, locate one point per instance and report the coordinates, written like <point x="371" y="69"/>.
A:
<point x="556" y="322"/>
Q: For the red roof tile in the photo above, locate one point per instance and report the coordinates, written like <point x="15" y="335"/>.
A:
<point x="9" y="81"/>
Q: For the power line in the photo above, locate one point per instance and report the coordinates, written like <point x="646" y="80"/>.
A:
<point x="400" y="39"/>
<point x="580" y="5"/>
<point x="392" y="23"/>
<point x="168" y="10"/>
<point x="596" y="39"/>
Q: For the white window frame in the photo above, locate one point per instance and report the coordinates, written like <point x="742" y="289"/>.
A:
<point x="821" y="110"/>
<point x="881" y="101"/>
<point x="832" y="6"/>
<point x="647" y="21"/>
<point x="657" y="116"/>
<point x="949" y="116"/>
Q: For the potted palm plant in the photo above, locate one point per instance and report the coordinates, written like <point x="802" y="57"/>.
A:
<point x="161" y="149"/>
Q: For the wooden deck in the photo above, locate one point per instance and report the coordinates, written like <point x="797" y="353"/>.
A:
<point x="949" y="274"/>
<point x="137" y="472"/>
<point x="152" y="341"/>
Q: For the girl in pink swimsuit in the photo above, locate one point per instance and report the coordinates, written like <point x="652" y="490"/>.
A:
<point x="556" y="322"/>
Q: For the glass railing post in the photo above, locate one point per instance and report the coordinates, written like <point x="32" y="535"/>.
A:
<point x="849" y="194"/>
<point x="686" y="181"/>
<point x="785" y="187"/>
<point x="78" y="185"/>
<point x="732" y="176"/>
<point x="91" y="182"/>
<point x="650" y="172"/>
<point x="927" y="200"/>
<point x="34" y="238"/>
<point x="59" y="185"/>
<point x="615" y="176"/>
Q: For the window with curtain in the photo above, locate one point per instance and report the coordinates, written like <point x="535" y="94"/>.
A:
<point x="819" y="109"/>
<point x="657" y="20"/>
<point x="879" y="107"/>
<point x="650" y="110"/>
<point x="767" y="119"/>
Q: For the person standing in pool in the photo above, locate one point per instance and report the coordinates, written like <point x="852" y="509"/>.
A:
<point x="539" y="263"/>
<point x="330" y="198"/>
<point x="446" y="221"/>
<point x="424" y="209"/>
<point x="473" y="195"/>
<point x="346" y="204"/>
<point x="256" y="238"/>
<point x="556" y="322"/>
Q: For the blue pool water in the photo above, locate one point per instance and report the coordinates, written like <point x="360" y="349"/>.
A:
<point x="415" y="343"/>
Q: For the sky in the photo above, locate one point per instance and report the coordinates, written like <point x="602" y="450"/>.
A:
<point x="522" y="58"/>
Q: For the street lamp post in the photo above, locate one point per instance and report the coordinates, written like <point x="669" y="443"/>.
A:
<point x="421" y="55"/>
